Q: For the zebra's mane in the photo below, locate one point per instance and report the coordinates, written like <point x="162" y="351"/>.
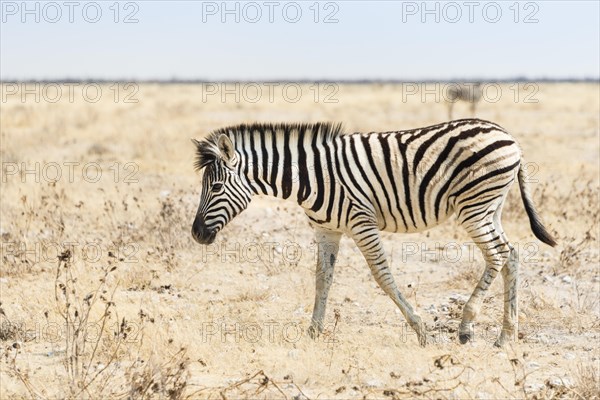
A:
<point x="207" y="151"/>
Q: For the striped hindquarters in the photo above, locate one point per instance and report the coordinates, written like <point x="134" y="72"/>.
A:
<point x="416" y="179"/>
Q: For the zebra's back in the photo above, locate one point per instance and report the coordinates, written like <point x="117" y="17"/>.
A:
<point x="418" y="178"/>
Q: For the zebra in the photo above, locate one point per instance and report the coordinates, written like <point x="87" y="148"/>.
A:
<point x="471" y="93"/>
<point x="362" y="183"/>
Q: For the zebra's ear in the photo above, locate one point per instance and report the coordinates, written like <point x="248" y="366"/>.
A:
<point x="226" y="149"/>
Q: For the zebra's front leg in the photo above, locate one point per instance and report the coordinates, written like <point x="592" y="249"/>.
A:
<point x="327" y="248"/>
<point x="368" y="240"/>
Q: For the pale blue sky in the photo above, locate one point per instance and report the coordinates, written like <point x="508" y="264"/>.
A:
<point x="371" y="40"/>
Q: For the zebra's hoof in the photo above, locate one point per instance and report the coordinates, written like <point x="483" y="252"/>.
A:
<point x="313" y="332"/>
<point x="503" y="339"/>
<point x="464" y="337"/>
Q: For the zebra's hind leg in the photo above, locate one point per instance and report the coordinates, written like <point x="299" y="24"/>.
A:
<point x="495" y="250"/>
<point x="328" y="245"/>
<point x="510" y="322"/>
<point x="367" y="238"/>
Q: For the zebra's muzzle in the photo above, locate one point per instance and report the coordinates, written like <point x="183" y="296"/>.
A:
<point x="201" y="233"/>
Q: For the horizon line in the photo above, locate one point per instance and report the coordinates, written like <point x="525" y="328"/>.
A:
<point x="304" y="81"/>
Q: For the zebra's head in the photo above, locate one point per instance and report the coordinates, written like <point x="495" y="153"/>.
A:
<point x="224" y="193"/>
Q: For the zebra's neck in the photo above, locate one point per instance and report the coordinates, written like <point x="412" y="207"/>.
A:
<point x="286" y="161"/>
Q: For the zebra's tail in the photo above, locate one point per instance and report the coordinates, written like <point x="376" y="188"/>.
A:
<point x="534" y="219"/>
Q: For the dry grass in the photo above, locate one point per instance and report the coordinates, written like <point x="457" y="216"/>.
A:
<point x="185" y="321"/>
<point x="97" y="348"/>
<point x="587" y="382"/>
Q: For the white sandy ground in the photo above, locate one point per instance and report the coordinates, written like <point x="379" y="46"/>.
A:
<point x="242" y="305"/>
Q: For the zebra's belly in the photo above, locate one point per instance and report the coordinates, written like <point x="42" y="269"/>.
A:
<point x="405" y="224"/>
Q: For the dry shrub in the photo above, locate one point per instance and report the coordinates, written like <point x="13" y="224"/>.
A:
<point x="587" y="383"/>
<point x="89" y="355"/>
<point x="87" y="359"/>
<point x="36" y="223"/>
<point x="251" y="296"/>
<point x="576" y="252"/>
<point x="586" y="386"/>
<point x="156" y="380"/>
<point x="94" y="359"/>
<point x="16" y="242"/>
<point x="580" y="204"/>
<point x="167" y="230"/>
<point x="8" y="329"/>
<point x="559" y="204"/>
<point x="436" y="384"/>
<point x="253" y="386"/>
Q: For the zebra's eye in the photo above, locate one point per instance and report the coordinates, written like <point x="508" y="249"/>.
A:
<point x="216" y="187"/>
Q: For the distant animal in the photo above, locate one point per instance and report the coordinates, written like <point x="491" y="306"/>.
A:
<point x="470" y="93"/>
<point x="362" y="183"/>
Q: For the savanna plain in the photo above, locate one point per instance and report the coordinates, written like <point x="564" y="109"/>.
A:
<point x="104" y="293"/>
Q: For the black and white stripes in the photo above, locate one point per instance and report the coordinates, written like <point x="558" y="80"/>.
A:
<point x="362" y="183"/>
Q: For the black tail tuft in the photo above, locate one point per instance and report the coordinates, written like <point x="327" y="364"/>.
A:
<point x="539" y="230"/>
